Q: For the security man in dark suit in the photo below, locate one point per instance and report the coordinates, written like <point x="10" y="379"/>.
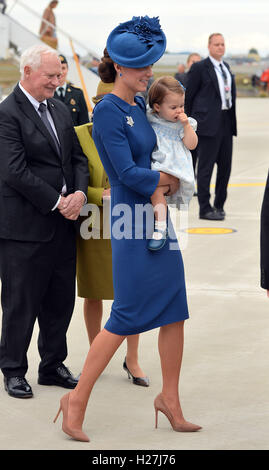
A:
<point x="72" y="97"/>
<point x="210" y="99"/>
<point x="265" y="239"/>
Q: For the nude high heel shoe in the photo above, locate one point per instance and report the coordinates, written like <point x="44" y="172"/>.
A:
<point x="76" y="434"/>
<point x="185" y="426"/>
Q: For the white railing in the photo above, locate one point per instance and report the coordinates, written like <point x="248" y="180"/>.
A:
<point x="58" y="30"/>
<point x="20" y="38"/>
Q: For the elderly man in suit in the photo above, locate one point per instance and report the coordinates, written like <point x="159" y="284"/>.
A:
<point x="210" y="99"/>
<point x="43" y="182"/>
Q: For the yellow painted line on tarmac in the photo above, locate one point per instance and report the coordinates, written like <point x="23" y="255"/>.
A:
<point x="235" y="185"/>
<point x="241" y="185"/>
<point x="209" y="230"/>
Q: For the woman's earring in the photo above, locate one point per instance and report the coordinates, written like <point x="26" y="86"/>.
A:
<point x="120" y="74"/>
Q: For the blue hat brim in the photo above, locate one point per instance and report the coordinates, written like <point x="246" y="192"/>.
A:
<point x="128" y="50"/>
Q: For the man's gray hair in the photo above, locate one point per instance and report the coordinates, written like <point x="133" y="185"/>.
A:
<point x="33" y="56"/>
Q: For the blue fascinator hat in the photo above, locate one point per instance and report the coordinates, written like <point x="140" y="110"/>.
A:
<point x="137" y="43"/>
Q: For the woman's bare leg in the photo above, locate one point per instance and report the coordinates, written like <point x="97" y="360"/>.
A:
<point x="132" y="356"/>
<point x="171" y="342"/>
<point x="93" y="312"/>
<point x="100" y="353"/>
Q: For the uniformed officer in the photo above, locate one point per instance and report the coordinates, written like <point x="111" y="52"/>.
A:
<point x="72" y="96"/>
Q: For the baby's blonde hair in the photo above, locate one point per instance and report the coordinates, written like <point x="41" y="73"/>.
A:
<point x="160" y="87"/>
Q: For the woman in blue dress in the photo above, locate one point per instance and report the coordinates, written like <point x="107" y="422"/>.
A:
<point x="149" y="287"/>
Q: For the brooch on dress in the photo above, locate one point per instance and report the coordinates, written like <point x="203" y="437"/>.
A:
<point x="130" y="120"/>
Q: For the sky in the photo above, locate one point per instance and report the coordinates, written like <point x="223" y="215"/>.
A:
<point x="187" y="24"/>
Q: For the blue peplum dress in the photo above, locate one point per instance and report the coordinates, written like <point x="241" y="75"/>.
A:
<point x="149" y="287"/>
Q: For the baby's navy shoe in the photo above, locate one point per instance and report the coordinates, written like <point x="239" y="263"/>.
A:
<point x="155" y="245"/>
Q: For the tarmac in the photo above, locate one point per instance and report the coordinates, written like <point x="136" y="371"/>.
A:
<point x="224" y="382"/>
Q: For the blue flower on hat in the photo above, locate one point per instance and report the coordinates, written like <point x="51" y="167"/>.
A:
<point x="147" y="29"/>
<point x="139" y="42"/>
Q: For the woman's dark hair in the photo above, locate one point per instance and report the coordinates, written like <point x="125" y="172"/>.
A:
<point x="106" y="68"/>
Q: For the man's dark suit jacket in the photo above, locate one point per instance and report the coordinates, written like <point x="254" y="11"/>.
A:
<point x="265" y="238"/>
<point x="31" y="170"/>
<point x="203" y="100"/>
<point x="75" y="102"/>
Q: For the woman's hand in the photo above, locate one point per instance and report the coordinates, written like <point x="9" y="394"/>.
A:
<point x="268" y="293"/>
<point x="174" y="186"/>
<point x="169" y="180"/>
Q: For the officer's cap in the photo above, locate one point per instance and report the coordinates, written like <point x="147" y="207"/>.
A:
<point x="63" y="59"/>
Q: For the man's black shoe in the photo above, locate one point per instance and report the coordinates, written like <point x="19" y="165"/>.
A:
<point x="212" y="215"/>
<point x="60" y="376"/>
<point x="18" y="387"/>
<point x="220" y="211"/>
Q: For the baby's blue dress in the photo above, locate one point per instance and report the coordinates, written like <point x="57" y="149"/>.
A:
<point x="149" y="287"/>
<point x="171" y="156"/>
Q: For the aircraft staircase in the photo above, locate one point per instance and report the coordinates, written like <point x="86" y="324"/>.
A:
<point x="15" y="38"/>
